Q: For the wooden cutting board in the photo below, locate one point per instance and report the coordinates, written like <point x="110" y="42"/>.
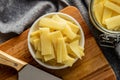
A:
<point x="94" y="66"/>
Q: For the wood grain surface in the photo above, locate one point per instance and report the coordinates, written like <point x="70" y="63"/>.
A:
<point x="94" y="66"/>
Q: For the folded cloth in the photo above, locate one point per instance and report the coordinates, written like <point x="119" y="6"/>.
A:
<point x="16" y="15"/>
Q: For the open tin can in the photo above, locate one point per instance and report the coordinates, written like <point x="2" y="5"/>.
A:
<point x="109" y="38"/>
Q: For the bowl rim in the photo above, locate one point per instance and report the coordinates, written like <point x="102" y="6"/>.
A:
<point x="30" y="47"/>
<point x="95" y="22"/>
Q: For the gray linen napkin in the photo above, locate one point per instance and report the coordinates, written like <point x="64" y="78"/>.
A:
<point x="17" y="15"/>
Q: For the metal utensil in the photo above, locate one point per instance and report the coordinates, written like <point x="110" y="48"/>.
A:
<point x="25" y="70"/>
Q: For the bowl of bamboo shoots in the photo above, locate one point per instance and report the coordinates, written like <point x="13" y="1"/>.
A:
<point x="56" y="41"/>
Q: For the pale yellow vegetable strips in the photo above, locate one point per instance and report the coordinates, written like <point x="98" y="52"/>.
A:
<point x="113" y="22"/>
<point x="70" y="61"/>
<point x="112" y="6"/>
<point x="46" y="44"/>
<point x="73" y="27"/>
<point x="67" y="40"/>
<point x="78" y="37"/>
<point x="36" y="43"/>
<point x="97" y="1"/>
<point x="70" y="52"/>
<point x="35" y="40"/>
<point x="34" y="35"/>
<point x="38" y="55"/>
<point x="32" y="39"/>
<point x="59" y="19"/>
<point x="116" y="1"/>
<point x="77" y="49"/>
<point x="98" y="10"/>
<point x="50" y="23"/>
<point x="62" y="55"/>
<point x="62" y="44"/>
<point x="107" y="13"/>
<point x="53" y="37"/>
<point x="59" y="51"/>
<point x="49" y="56"/>
<point x="67" y="30"/>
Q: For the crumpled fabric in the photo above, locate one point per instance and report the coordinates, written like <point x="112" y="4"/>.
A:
<point x="16" y="15"/>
